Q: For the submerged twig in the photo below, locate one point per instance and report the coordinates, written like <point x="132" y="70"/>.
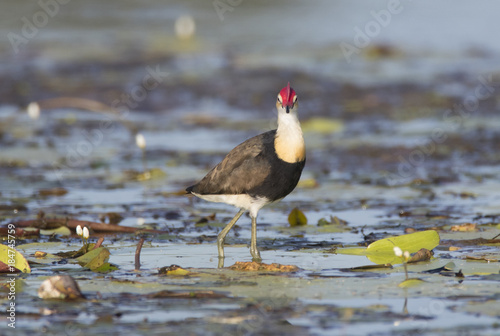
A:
<point x="99" y="243"/>
<point x="138" y="254"/>
<point x="77" y="103"/>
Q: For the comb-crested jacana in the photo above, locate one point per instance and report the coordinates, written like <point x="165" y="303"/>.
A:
<point x="262" y="170"/>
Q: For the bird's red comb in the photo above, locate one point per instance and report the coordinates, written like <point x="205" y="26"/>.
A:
<point x="287" y="94"/>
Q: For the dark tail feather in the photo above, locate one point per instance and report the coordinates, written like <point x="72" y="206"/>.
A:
<point x="189" y="190"/>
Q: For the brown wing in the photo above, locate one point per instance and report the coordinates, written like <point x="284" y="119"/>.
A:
<point x="241" y="170"/>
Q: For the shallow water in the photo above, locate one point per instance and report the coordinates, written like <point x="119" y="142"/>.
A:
<point x="384" y="154"/>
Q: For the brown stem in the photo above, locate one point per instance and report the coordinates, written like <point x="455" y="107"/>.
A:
<point x="138" y="254"/>
<point x="76" y="103"/>
<point x="99" y="243"/>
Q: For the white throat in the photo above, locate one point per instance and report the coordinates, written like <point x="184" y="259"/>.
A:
<point x="289" y="143"/>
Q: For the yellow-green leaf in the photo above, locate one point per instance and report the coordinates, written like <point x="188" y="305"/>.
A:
<point x="410" y="242"/>
<point x="411" y="283"/>
<point x="13" y="257"/>
<point x="47" y="259"/>
<point x="384" y="258"/>
<point x="352" y="250"/>
<point x="382" y="251"/>
<point x="62" y="231"/>
<point x="308" y="183"/>
<point x="297" y="218"/>
<point x="105" y="268"/>
<point x="322" y="125"/>
<point x="174" y="270"/>
<point x="95" y="258"/>
<point x="152" y="174"/>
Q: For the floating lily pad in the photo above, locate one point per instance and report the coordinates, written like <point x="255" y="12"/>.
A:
<point x="95" y="258"/>
<point x="13" y="259"/>
<point x="297" y="218"/>
<point x="411" y="283"/>
<point x="173" y="270"/>
<point x="62" y="231"/>
<point x="382" y="251"/>
<point x="410" y="242"/>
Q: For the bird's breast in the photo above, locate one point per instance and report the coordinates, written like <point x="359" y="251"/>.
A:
<point x="282" y="179"/>
<point x="289" y="144"/>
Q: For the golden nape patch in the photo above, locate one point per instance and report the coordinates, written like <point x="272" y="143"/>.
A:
<point x="290" y="150"/>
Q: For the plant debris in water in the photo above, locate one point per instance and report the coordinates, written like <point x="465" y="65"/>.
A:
<point x="62" y="287"/>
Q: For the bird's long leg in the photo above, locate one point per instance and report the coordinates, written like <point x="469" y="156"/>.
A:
<point x="254" y="251"/>
<point x="222" y="235"/>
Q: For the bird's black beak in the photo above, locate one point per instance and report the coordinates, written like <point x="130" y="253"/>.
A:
<point x="287" y="109"/>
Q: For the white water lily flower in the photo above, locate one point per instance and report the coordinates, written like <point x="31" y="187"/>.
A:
<point x="86" y="233"/>
<point x="140" y="141"/>
<point x="407" y="255"/>
<point x="79" y="230"/>
<point x="185" y="27"/>
<point x="397" y="251"/>
<point x="33" y="110"/>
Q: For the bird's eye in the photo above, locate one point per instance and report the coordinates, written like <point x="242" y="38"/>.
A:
<point x="279" y="99"/>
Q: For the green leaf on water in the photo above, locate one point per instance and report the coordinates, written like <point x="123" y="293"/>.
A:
<point x="410" y="242"/>
<point x="411" y="283"/>
<point x="95" y="258"/>
<point x="14" y="258"/>
<point x="382" y="251"/>
<point x="62" y="231"/>
<point x="323" y="222"/>
<point x="40" y="246"/>
<point x="322" y="125"/>
<point x="297" y="218"/>
<point x="105" y="268"/>
<point x="352" y="251"/>
<point x="152" y="174"/>
<point x="173" y="270"/>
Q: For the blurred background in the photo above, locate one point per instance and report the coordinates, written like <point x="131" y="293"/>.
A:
<point x="391" y="93"/>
